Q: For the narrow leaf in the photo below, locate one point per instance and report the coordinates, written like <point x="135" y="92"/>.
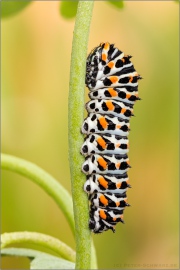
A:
<point x="39" y="260"/>
<point x="51" y="263"/>
<point x="39" y="239"/>
<point x="10" y="8"/>
<point x="68" y="9"/>
<point x="44" y="180"/>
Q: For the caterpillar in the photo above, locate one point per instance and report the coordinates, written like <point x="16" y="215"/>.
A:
<point x="113" y="84"/>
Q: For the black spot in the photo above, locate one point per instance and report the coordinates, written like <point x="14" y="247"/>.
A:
<point x="107" y="82"/>
<point x="110" y="146"/>
<point x="95" y="93"/>
<point x="124" y="165"/>
<point x="92" y="224"/>
<point x="93" y="158"/>
<point x="106" y="70"/>
<point x="117" y="108"/>
<point x="93" y="117"/>
<point x="124" y="128"/>
<point x="92" y="105"/>
<point x="99" y="147"/>
<point x="122" y="95"/>
<point x="124" y="80"/>
<point x="111" y="203"/>
<point x="85" y="126"/>
<point x="133" y="98"/>
<point x="85" y="149"/>
<point x="92" y="138"/>
<point x="86" y="168"/>
<point x="123" y="146"/>
<point x="127" y="113"/>
<point x="107" y="94"/>
<point x="111" y="126"/>
<point x="123" y="185"/>
<point x="104" y="107"/>
<point x="111" y="166"/>
<point x="96" y="110"/>
<point x="88" y="188"/>
<point x="119" y="63"/>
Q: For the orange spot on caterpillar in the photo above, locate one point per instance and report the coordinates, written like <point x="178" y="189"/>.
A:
<point x="103" y="182"/>
<point x="118" y="185"/>
<point x="123" y="110"/>
<point x="102" y="214"/>
<point x="114" y="218"/>
<point x="118" y="126"/>
<point x="104" y="56"/>
<point x="130" y="78"/>
<point x="103" y="200"/>
<point x="110" y="64"/>
<point x="117" y="145"/>
<point x="102" y="162"/>
<point x="128" y="95"/>
<point x="123" y="60"/>
<point x="106" y="46"/>
<point x="103" y="122"/>
<point x="118" y="165"/>
<point x="110" y="105"/>
<point x="101" y="142"/>
<point x="112" y="92"/>
<point x="113" y="79"/>
<point x="117" y="203"/>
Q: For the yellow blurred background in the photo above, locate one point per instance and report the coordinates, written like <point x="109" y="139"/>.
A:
<point x="35" y="58"/>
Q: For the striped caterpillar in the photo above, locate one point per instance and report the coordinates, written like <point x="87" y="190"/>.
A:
<point x="113" y="85"/>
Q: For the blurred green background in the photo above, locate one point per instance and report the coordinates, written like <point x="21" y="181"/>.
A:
<point x="35" y="58"/>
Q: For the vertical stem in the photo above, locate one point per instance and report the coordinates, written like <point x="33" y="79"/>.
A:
<point x="75" y="120"/>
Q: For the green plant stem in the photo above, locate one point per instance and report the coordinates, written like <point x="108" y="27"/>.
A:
<point x="41" y="240"/>
<point x="93" y="256"/>
<point x="44" y="180"/>
<point x="76" y="115"/>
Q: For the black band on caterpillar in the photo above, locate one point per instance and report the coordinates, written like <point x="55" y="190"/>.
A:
<point x="113" y="84"/>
